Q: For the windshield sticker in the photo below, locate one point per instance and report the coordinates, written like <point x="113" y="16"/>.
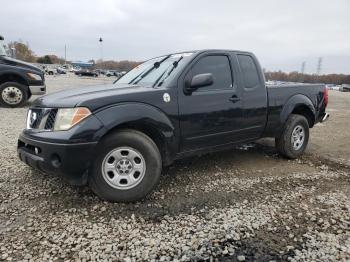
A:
<point x="166" y="98"/>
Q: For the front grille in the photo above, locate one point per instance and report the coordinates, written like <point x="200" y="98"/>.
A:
<point x="34" y="118"/>
<point x="50" y="121"/>
<point x="41" y="118"/>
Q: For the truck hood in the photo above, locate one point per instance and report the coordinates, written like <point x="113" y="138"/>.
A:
<point x="93" y="97"/>
<point x="14" y="62"/>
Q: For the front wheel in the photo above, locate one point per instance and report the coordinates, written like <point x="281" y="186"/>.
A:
<point x="127" y="167"/>
<point x="13" y="94"/>
<point x="294" y="138"/>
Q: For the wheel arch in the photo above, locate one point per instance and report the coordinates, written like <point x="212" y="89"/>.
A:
<point x="13" y="77"/>
<point x="301" y="105"/>
<point x="143" y="118"/>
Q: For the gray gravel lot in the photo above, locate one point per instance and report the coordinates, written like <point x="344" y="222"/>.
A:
<point x="244" y="204"/>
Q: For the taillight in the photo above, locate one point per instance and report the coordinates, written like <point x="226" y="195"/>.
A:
<point x="325" y="96"/>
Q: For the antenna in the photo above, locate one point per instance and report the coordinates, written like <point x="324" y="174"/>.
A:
<point x="319" y="66"/>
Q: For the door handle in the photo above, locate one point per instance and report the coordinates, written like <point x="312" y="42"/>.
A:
<point x="234" y="99"/>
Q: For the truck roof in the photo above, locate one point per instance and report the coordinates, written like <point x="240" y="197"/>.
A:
<point x="212" y="50"/>
<point x="205" y="50"/>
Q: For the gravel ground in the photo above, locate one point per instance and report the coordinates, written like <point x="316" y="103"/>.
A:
<point x="240" y="205"/>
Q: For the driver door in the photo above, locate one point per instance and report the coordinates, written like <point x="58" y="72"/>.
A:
<point x="210" y="115"/>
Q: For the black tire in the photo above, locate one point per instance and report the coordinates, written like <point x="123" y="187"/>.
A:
<point x="19" y="88"/>
<point x="149" y="151"/>
<point x="50" y="73"/>
<point x="283" y="142"/>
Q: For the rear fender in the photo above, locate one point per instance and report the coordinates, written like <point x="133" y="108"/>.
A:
<point x="294" y="102"/>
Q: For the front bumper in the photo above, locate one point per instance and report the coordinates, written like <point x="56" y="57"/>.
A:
<point x="37" y="90"/>
<point x="71" y="161"/>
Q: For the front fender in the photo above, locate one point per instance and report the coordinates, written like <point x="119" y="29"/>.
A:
<point x="294" y="102"/>
<point x="15" y="74"/>
<point x="140" y="114"/>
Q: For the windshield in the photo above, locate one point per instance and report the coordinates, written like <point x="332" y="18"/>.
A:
<point x="2" y="49"/>
<point x="154" y="71"/>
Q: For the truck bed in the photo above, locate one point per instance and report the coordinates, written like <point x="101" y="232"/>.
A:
<point x="279" y="95"/>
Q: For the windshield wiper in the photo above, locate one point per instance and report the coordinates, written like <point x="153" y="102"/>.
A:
<point x="132" y="80"/>
<point x="155" y="65"/>
<point x="175" y="63"/>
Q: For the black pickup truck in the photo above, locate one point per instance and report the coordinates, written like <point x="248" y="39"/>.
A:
<point x="116" y="138"/>
<point x="18" y="80"/>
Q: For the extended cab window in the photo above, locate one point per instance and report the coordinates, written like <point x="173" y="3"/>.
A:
<point x="249" y="71"/>
<point x="219" y="66"/>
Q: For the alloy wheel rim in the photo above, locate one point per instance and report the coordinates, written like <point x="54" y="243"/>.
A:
<point x="123" y="168"/>
<point x="12" y="95"/>
<point x="298" y="137"/>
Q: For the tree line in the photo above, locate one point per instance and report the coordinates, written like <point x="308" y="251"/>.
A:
<point x="24" y="53"/>
<point x="336" y="79"/>
<point x="124" y="65"/>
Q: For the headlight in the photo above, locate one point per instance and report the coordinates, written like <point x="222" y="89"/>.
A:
<point x="34" y="76"/>
<point x="68" y="117"/>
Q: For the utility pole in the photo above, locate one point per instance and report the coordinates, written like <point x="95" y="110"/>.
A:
<point x="65" y="54"/>
<point x="319" y="66"/>
<point x="13" y="52"/>
<point x="303" y="67"/>
<point x="101" y="47"/>
<point x="101" y="50"/>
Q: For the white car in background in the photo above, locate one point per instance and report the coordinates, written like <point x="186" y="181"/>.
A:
<point x="75" y="69"/>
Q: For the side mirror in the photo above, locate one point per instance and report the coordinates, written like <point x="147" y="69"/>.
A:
<point x="199" y="81"/>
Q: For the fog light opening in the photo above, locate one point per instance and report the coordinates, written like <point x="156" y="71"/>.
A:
<point x="55" y="161"/>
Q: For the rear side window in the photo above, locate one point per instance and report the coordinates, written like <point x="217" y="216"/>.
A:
<point x="219" y="66"/>
<point x="249" y="71"/>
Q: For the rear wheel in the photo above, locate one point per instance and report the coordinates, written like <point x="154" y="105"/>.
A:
<point x="13" y="94"/>
<point x="295" y="137"/>
<point x="127" y="167"/>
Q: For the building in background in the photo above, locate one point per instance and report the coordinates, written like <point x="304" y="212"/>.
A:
<point x="83" y="65"/>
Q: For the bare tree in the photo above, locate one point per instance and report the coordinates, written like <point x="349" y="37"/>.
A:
<point x="23" y="51"/>
<point x="306" y="78"/>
